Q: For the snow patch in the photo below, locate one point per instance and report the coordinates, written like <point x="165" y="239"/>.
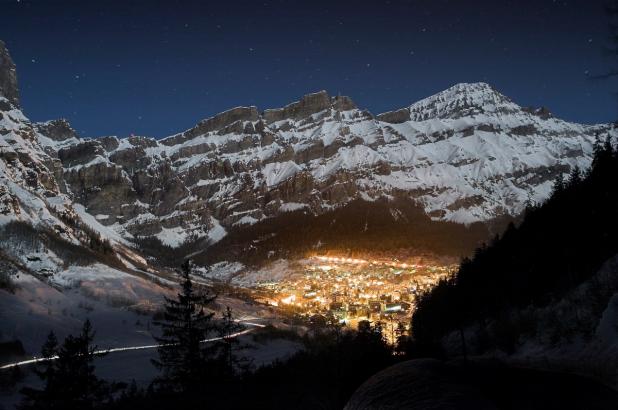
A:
<point x="277" y="172"/>
<point x="292" y="206"/>
<point x="217" y="232"/>
<point x="246" y="220"/>
<point x="94" y="224"/>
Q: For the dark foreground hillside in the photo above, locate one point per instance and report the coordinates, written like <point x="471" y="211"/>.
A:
<point x="432" y="384"/>
<point x="549" y="281"/>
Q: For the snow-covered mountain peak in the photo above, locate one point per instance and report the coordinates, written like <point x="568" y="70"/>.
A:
<point x="459" y="101"/>
<point x="478" y="87"/>
<point x="463" y="100"/>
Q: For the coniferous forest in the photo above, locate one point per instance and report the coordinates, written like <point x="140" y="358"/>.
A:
<point x="558" y="245"/>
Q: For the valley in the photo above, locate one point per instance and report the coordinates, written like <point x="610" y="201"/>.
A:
<point x="344" y="291"/>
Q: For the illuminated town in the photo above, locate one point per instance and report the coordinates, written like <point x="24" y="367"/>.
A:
<point x="349" y="290"/>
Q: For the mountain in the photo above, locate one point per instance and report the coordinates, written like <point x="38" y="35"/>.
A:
<point x="44" y="229"/>
<point x="467" y="155"/>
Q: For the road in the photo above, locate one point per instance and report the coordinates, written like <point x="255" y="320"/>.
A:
<point x="129" y="348"/>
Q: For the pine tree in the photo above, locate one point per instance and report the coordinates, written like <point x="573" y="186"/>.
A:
<point x="69" y="377"/>
<point x="230" y="361"/>
<point x="401" y="340"/>
<point x="575" y="178"/>
<point x="183" y="359"/>
<point x="558" y="184"/>
<point x="597" y="151"/>
<point x="34" y="398"/>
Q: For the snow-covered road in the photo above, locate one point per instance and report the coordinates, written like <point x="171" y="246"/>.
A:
<point x="128" y="348"/>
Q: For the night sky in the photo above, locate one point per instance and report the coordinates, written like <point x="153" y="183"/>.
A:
<point x="156" y="68"/>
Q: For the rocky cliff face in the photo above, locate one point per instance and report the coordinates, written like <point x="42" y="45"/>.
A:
<point x="465" y="155"/>
<point x="43" y="224"/>
<point x="8" y="77"/>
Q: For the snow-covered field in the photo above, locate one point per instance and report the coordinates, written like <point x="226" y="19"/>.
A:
<point x="119" y="306"/>
<point x="135" y="365"/>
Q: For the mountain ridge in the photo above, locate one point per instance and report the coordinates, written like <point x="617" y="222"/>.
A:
<point x="466" y="155"/>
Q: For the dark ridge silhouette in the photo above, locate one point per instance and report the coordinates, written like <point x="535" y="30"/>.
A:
<point x="558" y="245"/>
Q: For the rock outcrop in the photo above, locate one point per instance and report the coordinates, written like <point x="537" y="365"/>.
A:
<point x="8" y="77"/>
<point x="57" y="130"/>
<point x="219" y="122"/>
<point x="395" y="117"/>
<point x="309" y="104"/>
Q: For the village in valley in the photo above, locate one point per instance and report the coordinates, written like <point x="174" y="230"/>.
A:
<point x="347" y="291"/>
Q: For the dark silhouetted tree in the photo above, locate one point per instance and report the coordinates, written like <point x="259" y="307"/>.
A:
<point x="184" y="360"/>
<point x="69" y="376"/>
<point x="230" y="361"/>
<point x="558" y="245"/>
